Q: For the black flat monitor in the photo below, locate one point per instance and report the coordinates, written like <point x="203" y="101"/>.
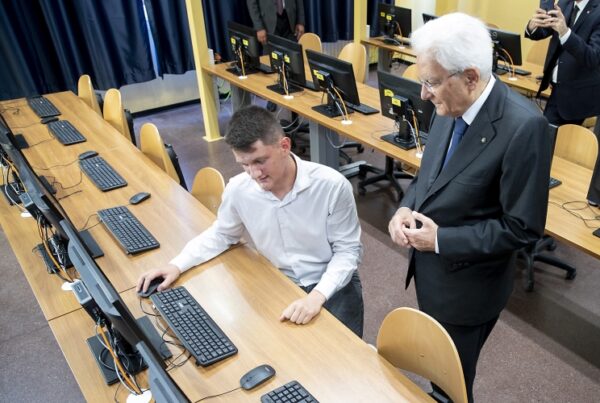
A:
<point x="245" y="47"/>
<point x="506" y="43"/>
<point x="335" y="77"/>
<point x="428" y="17"/>
<point x="287" y="60"/>
<point x="401" y="101"/>
<point x="394" y="21"/>
<point x="103" y="303"/>
<point x="163" y="389"/>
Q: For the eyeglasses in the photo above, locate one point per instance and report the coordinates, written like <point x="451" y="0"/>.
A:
<point x="432" y="86"/>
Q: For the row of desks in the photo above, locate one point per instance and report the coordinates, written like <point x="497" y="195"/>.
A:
<point x="241" y="290"/>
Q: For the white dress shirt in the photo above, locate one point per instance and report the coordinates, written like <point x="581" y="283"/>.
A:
<point x="312" y="235"/>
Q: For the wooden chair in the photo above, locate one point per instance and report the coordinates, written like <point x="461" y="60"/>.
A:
<point x="411" y="72"/>
<point x="356" y="53"/>
<point x="208" y="188"/>
<point x="310" y="41"/>
<point x="114" y="113"/>
<point x="413" y="341"/>
<point x="578" y="145"/>
<point x="85" y="91"/>
<point x="153" y="147"/>
<point x="537" y="52"/>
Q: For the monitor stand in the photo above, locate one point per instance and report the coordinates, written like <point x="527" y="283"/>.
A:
<point x="330" y="110"/>
<point x="278" y="88"/>
<point x="104" y="359"/>
<point x="404" y="142"/>
<point x="90" y="244"/>
<point x="10" y="194"/>
<point x="20" y="142"/>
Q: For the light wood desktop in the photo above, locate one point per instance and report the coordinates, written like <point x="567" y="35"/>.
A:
<point x="240" y="289"/>
<point x="527" y="85"/>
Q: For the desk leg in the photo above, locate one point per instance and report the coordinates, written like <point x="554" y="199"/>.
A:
<point x="384" y="59"/>
<point x="321" y="150"/>
<point x="240" y="98"/>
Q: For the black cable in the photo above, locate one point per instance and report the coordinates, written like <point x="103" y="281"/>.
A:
<point x="573" y="211"/>
<point x="85" y="227"/>
<point x="220" y="394"/>
<point x="55" y="166"/>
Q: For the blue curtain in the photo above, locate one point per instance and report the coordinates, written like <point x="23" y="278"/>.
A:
<point x="372" y="16"/>
<point x="332" y="20"/>
<point x="216" y="15"/>
<point x="170" y="30"/>
<point x="47" y="44"/>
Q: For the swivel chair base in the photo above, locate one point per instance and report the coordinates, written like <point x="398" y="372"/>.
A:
<point x="534" y="253"/>
<point x="389" y="174"/>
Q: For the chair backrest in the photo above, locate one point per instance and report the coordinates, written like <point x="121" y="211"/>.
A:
<point x="114" y="114"/>
<point x="577" y="144"/>
<point x="356" y="53"/>
<point x="537" y="52"/>
<point x="153" y="147"/>
<point x="411" y="72"/>
<point x="85" y="91"/>
<point x="208" y="188"/>
<point x="311" y="41"/>
<point x="413" y="341"/>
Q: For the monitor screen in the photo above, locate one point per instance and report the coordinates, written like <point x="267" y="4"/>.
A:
<point x="108" y="308"/>
<point x="330" y="72"/>
<point x="289" y="53"/>
<point x="243" y="39"/>
<point x="401" y="100"/>
<point x="507" y="43"/>
<point x="394" y="20"/>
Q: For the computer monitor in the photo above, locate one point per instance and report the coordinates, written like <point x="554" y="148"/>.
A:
<point x="246" y="49"/>
<point x="103" y="303"/>
<point x="394" y="21"/>
<point x="163" y="389"/>
<point x="335" y="77"/>
<point x="401" y="101"/>
<point x="507" y="47"/>
<point x="428" y="17"/>
<point x="287" y="60"/>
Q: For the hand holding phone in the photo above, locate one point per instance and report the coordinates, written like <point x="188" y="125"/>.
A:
<point x="547" y="5"/>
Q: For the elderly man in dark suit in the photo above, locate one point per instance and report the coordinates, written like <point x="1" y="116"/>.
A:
<point x="283" y="18"/>
<point x="482" y="190"/>
<point x="572" y="65"/>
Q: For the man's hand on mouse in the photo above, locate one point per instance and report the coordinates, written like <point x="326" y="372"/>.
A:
<point x="304" y="309"/>
<point x="170" y="273"/>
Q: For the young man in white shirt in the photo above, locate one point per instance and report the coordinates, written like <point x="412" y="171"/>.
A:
<point x="300" y="215"/>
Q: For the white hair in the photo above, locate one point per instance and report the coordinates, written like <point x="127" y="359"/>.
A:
<point x="456" y="41"/>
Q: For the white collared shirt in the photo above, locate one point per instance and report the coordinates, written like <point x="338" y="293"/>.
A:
<point x="312" y="235"/>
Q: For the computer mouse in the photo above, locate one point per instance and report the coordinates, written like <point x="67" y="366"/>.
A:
<point x="154" y="283"/>
<point x="87" y="154"/>
<point x="256" y="376"/>
<point x="139" y="197"/>
<point x="49" y="119"/>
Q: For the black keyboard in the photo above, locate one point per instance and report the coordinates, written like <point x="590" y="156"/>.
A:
<point x="398" y="41"/>
<point x="42" y="107"/>
<point x="291" y="392"/>
<point x="362" y="108"/>
<point x="65" y="132"/>
<point x="191" y="324"/>
<point x="553" y="183"/>
<point x="127" y="230"/>
<point x="102" y="174"/>
<point x="518" y="71"/>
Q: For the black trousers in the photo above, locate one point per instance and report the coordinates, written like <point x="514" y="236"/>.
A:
<point x="469" y="341"/>
<point x="347" y="304"/>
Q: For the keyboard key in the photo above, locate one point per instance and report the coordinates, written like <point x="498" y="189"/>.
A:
<point x="291" y="392"/>
<point x="192" y="325"/>
<point x="127" y="230"/>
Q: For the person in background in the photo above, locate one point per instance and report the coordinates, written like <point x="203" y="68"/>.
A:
<point x="283" y="18"/>
<point x="470" y="208"/>
<point x="572" y="66"/>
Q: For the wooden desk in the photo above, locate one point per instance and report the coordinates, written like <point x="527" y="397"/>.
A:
<point x="561" y="224"/>
<point x="527" y="85"/>
<point x="366" y="129"/>
<point x="241" y="290"/>
<point x="245" y="295"/>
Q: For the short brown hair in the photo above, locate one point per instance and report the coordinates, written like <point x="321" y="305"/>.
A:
<point x="251" y="124"/>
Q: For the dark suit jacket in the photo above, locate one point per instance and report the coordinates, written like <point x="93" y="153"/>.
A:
<point x="579" y="62"/>
<point x="264" y="14"/>
<point x="489" y="201"/>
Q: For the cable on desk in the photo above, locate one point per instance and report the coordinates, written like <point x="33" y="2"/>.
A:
<point x="55" y="166"/>
<point x="220" y="394"/>
<point x="574" y="211"/>
<point x="85" y="227"/>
